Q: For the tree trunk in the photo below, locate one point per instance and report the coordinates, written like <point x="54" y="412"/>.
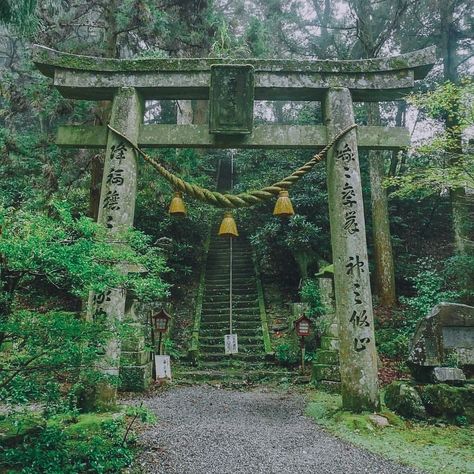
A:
<point x="383" y="254"/>
<point x="462" y="202"/>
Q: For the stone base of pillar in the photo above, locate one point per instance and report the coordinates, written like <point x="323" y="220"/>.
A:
<point x="135" y="361"/>
<point x="135" y="378"/>
<point x="325" y="372"/>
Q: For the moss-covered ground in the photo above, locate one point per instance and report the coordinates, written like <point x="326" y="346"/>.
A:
<point x="436" y="448"/>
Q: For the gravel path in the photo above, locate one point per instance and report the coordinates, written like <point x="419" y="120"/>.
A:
<point x="205" y="430"/>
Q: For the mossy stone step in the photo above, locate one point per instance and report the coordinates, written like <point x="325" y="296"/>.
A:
<point x="326" y="372"/>
<point x="220" y="307"/>
<point x="235" y="279"/>
<point x="245" y="348"/>
<point x="241" y="356"/>
<point x="225" y="324"/>
<point x="236" y="316"/>
<point x="212" y="372"/>
<point x="236" y="324"/>
<point x="212" y="340"/>
<point x="222" y="331"/>
<point x="237" y="295"/>
<point x="326" y="357"/>
<point x="223" y="286"/>
<point x="225" y="312"/>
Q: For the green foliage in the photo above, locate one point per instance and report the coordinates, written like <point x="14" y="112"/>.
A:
<point x="438" y="164"/>
<point x="287" y="351"/>
<point x="431" y="289"/>
<point x="73" y="254"/>
<point x="39" y="346"/>
<point x="143" y="414"/>
<point x="449" y="402"/>
<point x="448" y="101"/>
<point x="19" y="14"/>
<point x="90" y="443"/>
<point x="171" y="349"/>
<point x="311" y="294"/>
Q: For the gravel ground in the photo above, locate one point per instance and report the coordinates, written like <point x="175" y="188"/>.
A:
<point x="206" y="430"/>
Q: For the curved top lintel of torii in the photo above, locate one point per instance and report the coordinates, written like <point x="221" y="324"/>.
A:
<point x="88" y="77"/>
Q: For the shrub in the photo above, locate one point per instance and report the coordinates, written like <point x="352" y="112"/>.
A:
<point x="91" y="443"/>
<point x="287" y="352"/>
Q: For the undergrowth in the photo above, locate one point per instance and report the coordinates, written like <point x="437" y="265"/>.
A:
<point x="443" y="449"/>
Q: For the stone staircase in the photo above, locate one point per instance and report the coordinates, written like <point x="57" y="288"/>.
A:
<point x="215" y="307"/>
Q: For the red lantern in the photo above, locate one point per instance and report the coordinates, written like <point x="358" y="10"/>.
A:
<point x="160" y="321"/>
<point x="302" y="326"/>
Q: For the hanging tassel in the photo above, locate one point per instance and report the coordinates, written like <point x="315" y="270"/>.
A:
<point x="177" y="207"/>
<point x="228" y="226"/>
<point x="283" y="206"/>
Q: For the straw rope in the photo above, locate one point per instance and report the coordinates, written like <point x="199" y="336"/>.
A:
<point x="234" y="201"/>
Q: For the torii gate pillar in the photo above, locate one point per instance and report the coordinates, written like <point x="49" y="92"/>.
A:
<point x="354" y="312"/>
<point x="116" y="213"/>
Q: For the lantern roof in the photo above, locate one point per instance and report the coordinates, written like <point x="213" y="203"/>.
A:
<point x="301" y="319"/>
<point x="162" y="314"/>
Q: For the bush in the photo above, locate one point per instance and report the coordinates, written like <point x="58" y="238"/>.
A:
<point x="90" y="443"/>
<point x="311" y="294"/>
<point x="287" y="352"/>
<point x="431" y="289"/>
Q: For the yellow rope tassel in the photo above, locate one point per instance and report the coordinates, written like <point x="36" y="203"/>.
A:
<point x="283" y="206"/>
<point x="234" y="201"/>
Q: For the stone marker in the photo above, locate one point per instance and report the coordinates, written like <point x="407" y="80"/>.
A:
<point x="448" y="375"/>
<point x="445" y="335"/>
<point x="359" y="385"/>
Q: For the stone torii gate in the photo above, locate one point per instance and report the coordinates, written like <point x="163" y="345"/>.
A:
<point x="231" y="86"/>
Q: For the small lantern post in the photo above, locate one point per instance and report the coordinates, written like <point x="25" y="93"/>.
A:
<point x="302" y="327"/>
<point x="160" y="322"/>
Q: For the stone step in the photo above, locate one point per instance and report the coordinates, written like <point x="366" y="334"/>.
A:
<point x="217" y="323"/>
<point x="236" y="279"/>
<point x="225" y="325"/>
<point x="223" y="301"/>
<point x="236" y="313"/>
<point x="213" y="309"/>
<point x="238" y="258"/>
<point x="224" y="267"/>
<point x="236" y="291"/>
<point x="224" y="257"/>
<point x="221" y="331"/>
<point x="245" y="340"/>
<point x="236" y="316"/>
<point x="236" y="282"/>
<point x="217" y="310"/>
<point x="225" y="244"/>
<point x="215" y="372"/>
<point x="241" y="356"/>
<point x="220" y="306"/>
<point x="224" y="286"/>
<point x="222" y="277"/>
<point x="219" y="348"/>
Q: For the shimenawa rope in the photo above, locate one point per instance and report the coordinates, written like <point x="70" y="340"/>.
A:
<point x="234" y="201"/>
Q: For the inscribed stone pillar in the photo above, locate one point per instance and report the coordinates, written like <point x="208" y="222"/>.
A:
<point x="358" y="358"/>
<point x="116" y="212"/>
